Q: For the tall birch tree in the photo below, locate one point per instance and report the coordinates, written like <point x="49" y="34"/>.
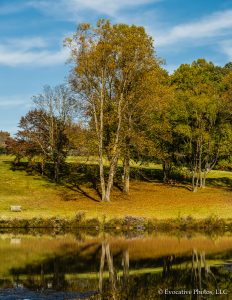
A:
<point x="109" y="61"/>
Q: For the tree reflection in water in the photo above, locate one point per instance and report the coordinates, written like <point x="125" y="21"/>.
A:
<point x="199" y="265"/>
<point x="113" y="278"/>
<point x="104" y="270"/>
<point x="186" y="273"/>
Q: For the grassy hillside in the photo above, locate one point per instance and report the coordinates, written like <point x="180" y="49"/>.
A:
<point x="41" y="198"/>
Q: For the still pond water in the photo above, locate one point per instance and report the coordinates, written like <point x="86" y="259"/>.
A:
<point x="143" y="267"/>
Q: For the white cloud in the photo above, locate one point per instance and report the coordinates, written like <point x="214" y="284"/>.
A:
<point x="30" y="51"/>
<point x="226" y="48"/>
<point x="41" y="58"/>
<point x="14" y="101"/>
<point x="217" y="24"/>
<point x="26" y="43"/>
<point x="72" y="9"/>
<point x="106" y="6"/>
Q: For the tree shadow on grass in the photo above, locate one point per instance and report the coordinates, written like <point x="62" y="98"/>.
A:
<point x="75" y="176"/>
<point x="178" y="185"/>
<point x="78" y="175"/>
<point x="22" y="166"/>
<point x="72" y="176"/>
<point x="8" y="162"/>
<point x="223" y="182"/>
<point x="77" y="188"/>
<point x="118" y="185"/>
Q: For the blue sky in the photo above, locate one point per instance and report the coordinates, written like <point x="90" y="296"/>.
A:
<point x="32" y="34"/>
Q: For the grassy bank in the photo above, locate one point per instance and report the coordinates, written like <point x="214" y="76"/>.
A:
<point x="41" y="198"/>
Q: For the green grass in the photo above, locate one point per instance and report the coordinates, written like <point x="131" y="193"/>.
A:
<point x="220" y="178"/>
<point x="41" y="198"/>
<point x="94" y="160"/>
<point x="36" y="195"/>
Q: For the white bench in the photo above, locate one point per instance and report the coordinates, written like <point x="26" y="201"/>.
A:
<point x="15" y="208"/>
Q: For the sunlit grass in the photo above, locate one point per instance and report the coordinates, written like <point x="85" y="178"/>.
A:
<point x="42" y="198"/>
<point x="94" y="160"/>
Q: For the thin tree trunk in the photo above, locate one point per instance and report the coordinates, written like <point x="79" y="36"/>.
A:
<point x="200" y="163"/>
<point x="99" y="124"/>
<point x="42" y="167"/>
<point x="204" y="179"/>
<point x="165" y="177"/>
<point x="111" y="177"/>
<point x="194" y="181"/>
<point x="197" y="168"/>
<point x="126" y="172"/>
<point x="126" y="161"/>
<point x="115" y="152"/>
<point x="56" y="171"/>
<point x="197" y="180"/>
<point x="102" y="179"/>
<point x="201" y="179"/>
<point x="101" y="163"/>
